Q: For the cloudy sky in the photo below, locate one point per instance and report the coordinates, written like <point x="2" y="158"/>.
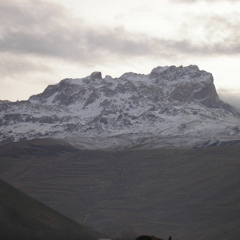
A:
<point x="44" y="41"/>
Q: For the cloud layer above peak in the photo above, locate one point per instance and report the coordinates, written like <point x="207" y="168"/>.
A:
<point x="39" y="38"/>
<point x="44" y="29"/>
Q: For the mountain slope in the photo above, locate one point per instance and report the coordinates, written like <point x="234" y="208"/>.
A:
<point x="185" y="193"/>
<point x="23" y="217"/>
<point x="179" y="103"/>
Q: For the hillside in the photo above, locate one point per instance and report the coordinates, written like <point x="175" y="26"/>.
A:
<point x="23" y="218"/>
<point x="186" y="193"/>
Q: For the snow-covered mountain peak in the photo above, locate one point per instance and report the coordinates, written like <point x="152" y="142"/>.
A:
<point x="169" y="102"/>
<point x="180" y="74"/>
<point x="178" y="83"/>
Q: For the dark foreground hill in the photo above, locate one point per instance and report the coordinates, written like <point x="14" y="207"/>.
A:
<point x="185" y="193"/>
<point x="23" y="218"/>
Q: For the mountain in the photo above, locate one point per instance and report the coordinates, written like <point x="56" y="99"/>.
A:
<point x="186" y="193"/>
<point x="23" y="218"/>
<point x="170" y="106"/>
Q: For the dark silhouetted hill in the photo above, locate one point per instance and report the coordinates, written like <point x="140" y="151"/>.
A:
<point x="23" y="218"/>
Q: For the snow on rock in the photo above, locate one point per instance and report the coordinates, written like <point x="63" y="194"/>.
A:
<point x="170" y="106"/>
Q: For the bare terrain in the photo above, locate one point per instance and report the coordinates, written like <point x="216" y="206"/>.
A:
<point x="186" y="193"/>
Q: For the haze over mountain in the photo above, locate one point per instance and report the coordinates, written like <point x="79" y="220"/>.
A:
<point x="171" y="106"/>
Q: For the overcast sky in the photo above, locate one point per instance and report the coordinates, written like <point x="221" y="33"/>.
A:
<point x="44" y="41"/>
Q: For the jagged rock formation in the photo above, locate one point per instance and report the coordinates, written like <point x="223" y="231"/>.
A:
<point x="153" y="110"/>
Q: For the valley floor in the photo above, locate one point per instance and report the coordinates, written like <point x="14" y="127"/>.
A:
<point x="185" y="193"/>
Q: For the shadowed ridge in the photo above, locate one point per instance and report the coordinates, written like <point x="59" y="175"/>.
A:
<point x="145" y="237"/>
<point x="22" y="217"/>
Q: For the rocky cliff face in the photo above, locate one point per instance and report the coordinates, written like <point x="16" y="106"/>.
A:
<point x="170" y="103"/>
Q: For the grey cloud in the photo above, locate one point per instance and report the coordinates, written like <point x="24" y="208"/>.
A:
<point x="10" y="65"/>
<point x="20" y="15"/>
<point x="84" y="45"/>
<point x="42" y="29"/>
<point x="208" y="1"/>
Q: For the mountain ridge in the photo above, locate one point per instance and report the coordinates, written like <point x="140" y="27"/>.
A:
<point x="166" y="103"/>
